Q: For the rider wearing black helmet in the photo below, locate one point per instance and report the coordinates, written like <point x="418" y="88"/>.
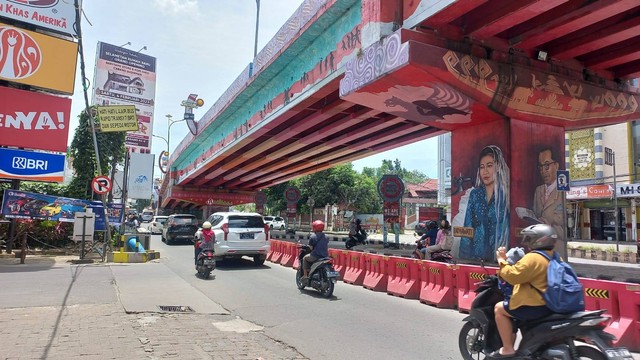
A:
<point x="529" y="279"/>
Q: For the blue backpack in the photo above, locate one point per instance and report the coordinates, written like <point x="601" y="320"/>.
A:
<point x="564" y="291"/>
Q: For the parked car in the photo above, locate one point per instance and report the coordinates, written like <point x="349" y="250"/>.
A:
<point x="179" y="227"/>
<point x="275" y="222"/>
<point x="240" y="234"/>
<point x="422" y="227"/>
<point x="157" y="224"/>
<point x="147" y="215"/>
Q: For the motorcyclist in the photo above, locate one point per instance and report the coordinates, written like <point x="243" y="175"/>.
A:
<point x="441" y="236"/>
<point x="131" y="223"/>
<point x="205" y="239"/>
<point x="355" y="230"/>
<point x="529" y="279"/>
<point x="319" y="244"/>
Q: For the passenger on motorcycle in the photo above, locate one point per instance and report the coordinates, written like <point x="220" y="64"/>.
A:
<point x="526" y="275"/>
<point x="319" y="244"/>
<point x="443" y="232"/>
<point x="204" y="239"/>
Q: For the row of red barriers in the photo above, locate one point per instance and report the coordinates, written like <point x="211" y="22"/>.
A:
<point x="452" y="286"/>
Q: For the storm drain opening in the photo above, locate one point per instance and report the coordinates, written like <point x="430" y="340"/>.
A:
<point x="169" y="308"/>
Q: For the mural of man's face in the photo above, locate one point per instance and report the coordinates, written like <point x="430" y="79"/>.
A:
<point x="548" y="167"/>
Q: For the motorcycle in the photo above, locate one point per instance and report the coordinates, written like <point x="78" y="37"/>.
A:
<point x="322" y="275"/>
<point x="551" y="337"/>
<point x="358" y="239"/>
<point x="439" y="256"/>
<point x="205" y="263"/>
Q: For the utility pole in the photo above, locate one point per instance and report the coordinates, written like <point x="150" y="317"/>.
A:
<point x="610" y="159"/>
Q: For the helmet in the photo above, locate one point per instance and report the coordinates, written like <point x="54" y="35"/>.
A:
<point x="539" y="237"/>
<point x="317" y="226"/>
<point x="358" y="221"/>
<point x="206" y="225"/>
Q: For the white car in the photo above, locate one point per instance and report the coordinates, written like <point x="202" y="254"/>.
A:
<point x="275" y="222"/>
<point x="157" y="224"/>
<point x="240" y="234"/>
<point x="147" y="215"/>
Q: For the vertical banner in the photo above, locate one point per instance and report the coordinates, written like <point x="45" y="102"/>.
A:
<point x="480" y="190"/>
<point x="140" y="182"/>
<point x="127" y="77"/>
<point x="582" y="163"/>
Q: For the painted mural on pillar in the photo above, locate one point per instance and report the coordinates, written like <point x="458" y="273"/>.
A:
<point x="480" y="195"/>
<point x="537" y="155"/>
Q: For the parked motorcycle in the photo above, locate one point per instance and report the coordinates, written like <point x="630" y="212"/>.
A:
<point x="551" y="337"/>
<point x="322" y="275"/>
<point x="358" y="239"/>
<point x="205" y="263"/>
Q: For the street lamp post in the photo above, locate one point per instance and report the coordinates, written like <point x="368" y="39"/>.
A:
<point x="255" y="44"/>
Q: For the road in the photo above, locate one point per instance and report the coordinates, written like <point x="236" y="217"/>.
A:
<point x="355" y="324"/>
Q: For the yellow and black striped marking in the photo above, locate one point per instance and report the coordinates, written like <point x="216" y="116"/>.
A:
<point x="401" y="265"/>
<point x="434" y="270"/>
<point x="597" y="293"/>
<point x="476" y="276"/>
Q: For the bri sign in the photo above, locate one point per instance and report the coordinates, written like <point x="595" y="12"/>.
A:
<point x="31" y="166"/>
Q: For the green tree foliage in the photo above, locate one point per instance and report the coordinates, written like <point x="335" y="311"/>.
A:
<point x="112" y="151"/>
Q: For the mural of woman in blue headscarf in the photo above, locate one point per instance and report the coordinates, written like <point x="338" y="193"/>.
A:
<point x="488" y="207"/>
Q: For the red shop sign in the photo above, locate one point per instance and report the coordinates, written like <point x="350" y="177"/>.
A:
<point x="34" y="121"/>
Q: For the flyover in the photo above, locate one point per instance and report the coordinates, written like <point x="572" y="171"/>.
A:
<point x="345" y="79"/>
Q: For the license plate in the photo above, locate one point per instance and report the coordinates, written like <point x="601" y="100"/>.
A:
<point x="209" y="262"/>
<point x="618" y="353"/>
<point x="333" y="274"/>
<point x="246" y="235"/>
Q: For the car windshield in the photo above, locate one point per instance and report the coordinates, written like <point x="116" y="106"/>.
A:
<point x="268" y="218"/>
<point x="184" y="220"/>
<point x="245" y="222"/>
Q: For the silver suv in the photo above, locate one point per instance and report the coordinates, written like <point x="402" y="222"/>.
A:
<point x="275" y="222"/>
<point x="240" y="234"/>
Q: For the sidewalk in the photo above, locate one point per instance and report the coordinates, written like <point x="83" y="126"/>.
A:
<point x="54" y="310"/>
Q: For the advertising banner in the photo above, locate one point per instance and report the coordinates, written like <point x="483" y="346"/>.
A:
<point x="127" y="77"/>
<point x="140" y="182"/>
<point x="31" y="166"/>
<point x="117" y="118"/>
<point x="36" y="59"/>
<point x="33" y="120"/>
<point x="26" y="205"/>
<point x="582" y="164"/>
<point x="56" y="15"/>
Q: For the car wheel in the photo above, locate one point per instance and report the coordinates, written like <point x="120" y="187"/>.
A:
<point x="271" y="227"/>
<point x="281" y="227"/>
<point x="258" y="260"/>
<point x="169" y="241"/>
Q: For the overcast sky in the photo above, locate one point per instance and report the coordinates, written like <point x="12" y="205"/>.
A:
<point x="201" y="47"/>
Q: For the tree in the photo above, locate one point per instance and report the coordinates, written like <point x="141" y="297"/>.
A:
<point x="112" y="152"/>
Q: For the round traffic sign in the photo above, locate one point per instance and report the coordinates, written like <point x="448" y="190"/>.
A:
<point x="390" y="188"/>
<point x="101" y="185"/>
<point x="292" y="195"/>
<point x="260" y="198"/>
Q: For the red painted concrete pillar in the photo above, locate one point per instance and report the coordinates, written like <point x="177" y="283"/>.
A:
<point x="379" y="19"/>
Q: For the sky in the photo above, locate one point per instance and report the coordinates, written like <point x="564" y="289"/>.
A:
<point x="201" y="47"/>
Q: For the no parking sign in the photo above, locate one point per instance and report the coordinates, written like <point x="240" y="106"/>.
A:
<point x="101" y="185"/>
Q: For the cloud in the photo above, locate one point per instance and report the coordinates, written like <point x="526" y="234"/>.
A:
<point x="176" y="6"/>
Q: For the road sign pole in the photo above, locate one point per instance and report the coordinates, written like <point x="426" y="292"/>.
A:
<point x="615" y="201"/>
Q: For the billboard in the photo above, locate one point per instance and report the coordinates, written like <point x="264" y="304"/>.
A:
<point x="26" y="205"/>
<point x="30" y="58"/>
<point x="31" y="166"/>
<point x="117" y="118"/>
<point x="140" y="182"/>
<point x="56" y="15"/>
<point x="127" y="77"/>
<point x="34" y="120"/>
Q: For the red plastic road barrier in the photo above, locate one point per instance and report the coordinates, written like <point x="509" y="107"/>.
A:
<point x="288" y="253"/>
<point x="466" y="278"/>
<point x="438" y="285"/>
<point x="354" y="268"/>
<point x="296" y="261"/>
<point x="622" y="306"/>
<point x="375" y="277"/>
<point x="404" y="277"/>
<point x="339" y="260"/>
<point x="276" y="248"/>
<point x="270" y="252"/>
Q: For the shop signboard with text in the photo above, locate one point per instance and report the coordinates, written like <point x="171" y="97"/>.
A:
<point x="33" y="120"/>
<point x="38" y="60"/>
<point x="31" y="165"/>
<point x="56" y="15"/>
<point x="127" y="77"/>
